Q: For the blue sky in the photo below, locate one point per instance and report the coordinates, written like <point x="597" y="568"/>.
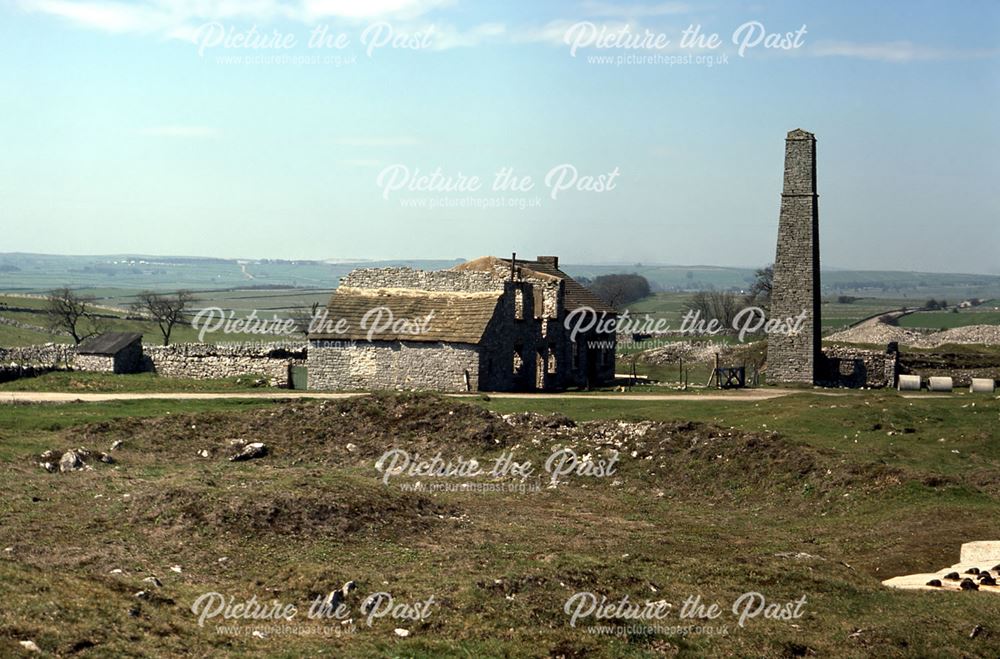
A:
<point x="127" y="128"/>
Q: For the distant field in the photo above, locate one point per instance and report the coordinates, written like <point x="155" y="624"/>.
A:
<point x="670" y="306"/>
<point x="947" y="319"/>
<point x="11" y="336"/>
<point x="37" y="273"/>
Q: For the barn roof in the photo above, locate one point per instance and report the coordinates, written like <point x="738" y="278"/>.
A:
<point x="457" y="317"/>
<point x="108" y="343"/>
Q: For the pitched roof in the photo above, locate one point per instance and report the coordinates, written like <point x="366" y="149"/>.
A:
<point x="576" y="294"/>
<point x="108" y="343"/>
<point x="457" y="317"/>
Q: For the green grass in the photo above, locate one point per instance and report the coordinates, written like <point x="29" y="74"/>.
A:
<point x="80" y="381"/>
<point x="182" y="333"/>
<point x="857" y="424"/>
<point x="17" y="336"/>
<point x="707" y="515"/>
<point x="670" y="306"/>
<point x="948" y="320"/>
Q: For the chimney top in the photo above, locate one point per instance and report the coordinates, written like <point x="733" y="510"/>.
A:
<point x="551" y="260"/>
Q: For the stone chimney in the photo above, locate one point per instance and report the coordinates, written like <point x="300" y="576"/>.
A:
<point x="796" y="286"/>
<point x="550" y="260"/>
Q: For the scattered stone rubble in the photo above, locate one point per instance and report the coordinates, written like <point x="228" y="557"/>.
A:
<point x="72" y="459"/>
<point x="879" y="332"/>
<point x="694" y="351"/>
<point x="978" y="569"/>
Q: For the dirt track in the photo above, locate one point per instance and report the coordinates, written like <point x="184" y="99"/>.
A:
<point x="748" y="395"/>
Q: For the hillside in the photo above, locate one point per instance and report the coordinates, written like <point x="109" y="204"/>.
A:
<point x="815" y="498"/>
<point x="106" y="276"/>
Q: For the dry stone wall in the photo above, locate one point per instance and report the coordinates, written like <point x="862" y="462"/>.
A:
<point x="207" y="361"/>
<point x="48" y="355"/>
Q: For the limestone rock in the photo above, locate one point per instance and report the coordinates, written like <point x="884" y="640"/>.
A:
<point x="70" y="461"/>
<point x="250" y="452"/>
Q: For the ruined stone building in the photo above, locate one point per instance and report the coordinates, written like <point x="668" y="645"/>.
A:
<point x="486" y="325"/>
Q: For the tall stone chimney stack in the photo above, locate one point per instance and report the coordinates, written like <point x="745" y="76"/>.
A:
<point x="797" y="358"/>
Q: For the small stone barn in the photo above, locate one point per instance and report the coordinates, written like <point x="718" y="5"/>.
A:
<point x="110" y="352"/>
<point x="486" y="325"/>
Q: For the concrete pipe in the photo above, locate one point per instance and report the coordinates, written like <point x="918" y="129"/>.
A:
<point x="909" y="383"/>
<point x="981" y="386"/>
<point x="940" y="384"/>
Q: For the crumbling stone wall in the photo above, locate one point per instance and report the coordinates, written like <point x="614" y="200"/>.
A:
<point x="796" y="358"/>
<point x="854" y="367"/>
<point x="205" y="361"/>
<point x="424" y="280"/>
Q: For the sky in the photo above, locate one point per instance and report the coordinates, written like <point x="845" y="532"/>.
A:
<point x="388" y="129"/>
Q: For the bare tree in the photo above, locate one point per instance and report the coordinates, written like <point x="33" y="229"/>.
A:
<point x="619" y="290"/>
<point x="760" y="291"/>
<point x="721" y="306"/>
<point x="71" y="313"/>
<point x="165" y="310"/>
<point x="303" y="320"/>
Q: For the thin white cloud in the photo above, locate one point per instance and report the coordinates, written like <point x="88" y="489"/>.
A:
<point x="595" y="8"/>
<point x="361" y="9"/>
<point x="446" y="37"/>
<point x="555" y="32"/>
<point x="361" y="162"/>
<point x="107" y="16"/>
<point x="181" y="17"/>
<point x="195" y="132"/>
<point x="896" y="51"/>
<point x="377" y="141"/>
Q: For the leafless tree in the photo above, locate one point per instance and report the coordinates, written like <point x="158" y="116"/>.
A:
<point x="303" y="319"/>
<point x="165" y="310"/>
<point x="718" y="305"/>
<point x="71" y="313"/>
<point x="620" y="290"/>
<point x="760" y="291"/>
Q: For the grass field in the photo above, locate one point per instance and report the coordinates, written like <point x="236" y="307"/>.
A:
<point x="78" y="381"/>
<point x="809" y="496"/>
<point x="948" y="320"/>
<point x="29" y="311"/>
<point x="670" y="306"/>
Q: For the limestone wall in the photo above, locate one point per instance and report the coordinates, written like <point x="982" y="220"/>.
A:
<point x="393" y="365"/>
<point x="425" y="280"/>
<point x="94" y="363"/>
<point x="207" y="361"/>
<point x="47" y="355"/>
